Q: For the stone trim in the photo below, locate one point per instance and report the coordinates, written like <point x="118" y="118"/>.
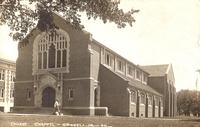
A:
<point x="27" y="107"/>
<point x="84" y="107"/>
<point x="81" y="78"/>
<point x="28" y="81"/>
<point x="133" y="103"/>
<point x="35" y="69"/>
<point x="44" y="82"/>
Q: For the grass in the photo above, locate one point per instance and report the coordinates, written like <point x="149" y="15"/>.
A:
<point x="16" y="120"/>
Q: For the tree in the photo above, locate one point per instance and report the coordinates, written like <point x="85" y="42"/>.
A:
<point x="23" y="16"/>
<point x="188" y="101"/>
<point x="183" y="102"/>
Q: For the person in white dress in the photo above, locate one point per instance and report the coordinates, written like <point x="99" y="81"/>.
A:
<point x="56" y="107"/>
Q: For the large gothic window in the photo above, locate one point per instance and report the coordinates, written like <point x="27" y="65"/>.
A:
<point x="52" y="56"/>
<point x="52" y="51"/>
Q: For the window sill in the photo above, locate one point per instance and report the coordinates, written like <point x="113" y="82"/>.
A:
<point x="130" y="76"/>
<point x="138" y="79"/>
<point x="145" y="83"/>
<point x="108" y="66"/>
<point x="120" y="72"/>
<point x="133" y="103"/>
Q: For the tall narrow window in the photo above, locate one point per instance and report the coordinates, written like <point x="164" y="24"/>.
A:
<point x="156" y="101"/>
<point x="144" y="78"/>
<point x="65" y="44"/>
<point x="109" y="59"/>
<point x="3" y="75"/>
<point x="138" y="75"/>
<point x="44" y="60"/>
<point x="161" y="103"/>
<point x="120" y="65"/>
<point x="14" y="76"/>
<point x="11" y="77"/>
<point x="40" y="60"/>
<point x="150" y="100"/>
<point x="71" y="94"/>
<point x="58" y="59"/>
<point x="143" y="98"/>
<point x="11" y="93"/>
<point x="28" y="94"/>
<point x="130" y="71"/>
<point x="0" y="75"/>
<point x="2" y="92"/>
<point x="64" y="58"/>
<point x="52" y="56"/>
<point x="133" y="97"/>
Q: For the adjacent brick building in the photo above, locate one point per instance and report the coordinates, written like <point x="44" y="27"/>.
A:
<point x="7" y="76"/>
<point x="85" y="76"/>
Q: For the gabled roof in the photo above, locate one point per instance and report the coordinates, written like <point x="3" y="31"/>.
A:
<point x="130" y="83"/>
<point x="156" y="70"/>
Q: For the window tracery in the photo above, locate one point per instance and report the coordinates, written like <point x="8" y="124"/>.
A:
<point x="52" y="51"/>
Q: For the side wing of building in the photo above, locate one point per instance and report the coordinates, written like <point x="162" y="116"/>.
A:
<point x="162" y="80"/>
<point x="123" y="85"/>
<point x="7" y="77"/>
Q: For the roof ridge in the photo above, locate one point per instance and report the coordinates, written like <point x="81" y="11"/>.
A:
<point x="7" y="60"/>
<point x="157" y="70"/>
<point x="155" y="65"/>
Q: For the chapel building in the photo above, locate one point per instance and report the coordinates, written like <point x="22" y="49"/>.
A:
<point x="85" y="76"/>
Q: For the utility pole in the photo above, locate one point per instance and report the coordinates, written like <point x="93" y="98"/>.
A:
<point x="197" y="93"/>
<point x="197" y="81"/>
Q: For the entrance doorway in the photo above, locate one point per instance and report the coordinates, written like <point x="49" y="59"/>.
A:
<point x="48" y="97"/>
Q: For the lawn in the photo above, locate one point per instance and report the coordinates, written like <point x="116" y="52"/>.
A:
<point x="15" y="120"/>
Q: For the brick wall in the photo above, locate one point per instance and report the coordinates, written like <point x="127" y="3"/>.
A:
<point x="79" y="64"/>
<point x="21" y="94"/>
<point x="114" y="94"/>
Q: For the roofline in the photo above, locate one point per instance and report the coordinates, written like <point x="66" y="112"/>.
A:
<point x="152" y="91"/>
<point x="36" y="28"/>
<point x="129" y="84"/>
<point x="100" y="44"/>
<point x="167" y="70"/>
<point x="170" y="67"/>
<point x="57" y="14"/>
<point x="7" y="61"/>
<point x="153" y="65"/>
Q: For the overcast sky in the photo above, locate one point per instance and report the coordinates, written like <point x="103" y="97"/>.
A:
<point x="165" y="31"/>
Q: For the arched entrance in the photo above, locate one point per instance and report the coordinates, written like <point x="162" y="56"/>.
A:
<point x="48" y="97"/>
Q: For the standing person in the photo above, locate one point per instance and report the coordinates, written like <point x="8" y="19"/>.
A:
<point x="56" y="107"/>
